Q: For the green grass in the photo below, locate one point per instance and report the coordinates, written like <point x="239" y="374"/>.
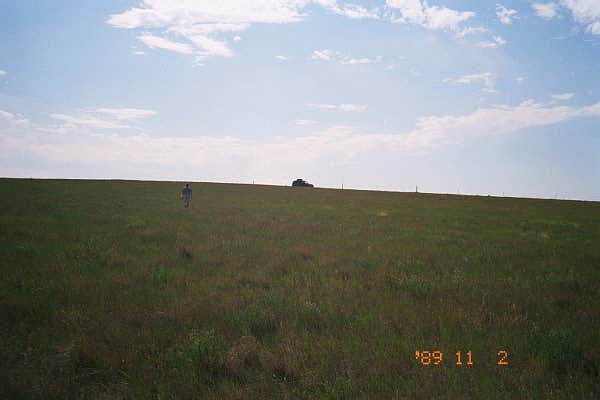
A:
<point x="111" y="289"/>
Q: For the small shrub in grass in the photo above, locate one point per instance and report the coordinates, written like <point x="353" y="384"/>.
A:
<point x="253" y="281"/>
<point x="303" y="252"/>
<point x="414" y="284"/>
<point x="161" y="276"/>
<point x="310" y="316"/>
<point x="342" y="388"/>
<point x="559" y="351"/>
<point x="203" y="351"/>
<point x="253" y="320"/>
<point x="185" y="252"/>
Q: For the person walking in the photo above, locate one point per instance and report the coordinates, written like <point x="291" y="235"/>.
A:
<point x="186" y="195"/>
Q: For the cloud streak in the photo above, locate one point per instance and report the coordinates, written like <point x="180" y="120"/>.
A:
<point x="563" y="96"/>
<point x="487" y="79"/>
<point x="340" y="107"/>
<point x="341" y="58"/>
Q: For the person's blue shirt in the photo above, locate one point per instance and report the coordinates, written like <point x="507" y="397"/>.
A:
<point x="187" y="192"/>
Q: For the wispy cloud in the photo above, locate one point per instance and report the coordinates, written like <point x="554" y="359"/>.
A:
<point x="563" y="96"/>
<point x="203" y="28"/>
<point x="192" y="27"/>
<point x="156" y="42"/>
<point x="545" y="10"/>
<point x="351" y="11"/>
<point x="305" y="122"/>
<point x="281" y="58"/>
<point x="470" y="30"/>
<point x="492" y="44"/>
<point x="486" y="79"/>
<point x="431" y="17"/>
<point x="10" y="120"/>
<point x="2" y="72"/>
<point x="87" y="120"/>
<point x="506" y="15"/>
<point x="126" y="113"/>
<point x="99" y="118"/>
<point x="339" y="57"/>
<point x="340" y="107"/>
<point x="583" y="12"/>
<point x="593" y="28"/>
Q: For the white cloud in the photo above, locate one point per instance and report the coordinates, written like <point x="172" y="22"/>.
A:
<point x="471" y="31"/>
<point x="126" y="113"/>
<point x="340" y="107"/>
<point x="87" y="121"/>
<point x="353" y="11"/>
<point x="584" y="12"/>
<point x="197" y="21"/>
<point x="545" y="10"/>
<point x="324" y="55"/>
<point x="208" y="14"/>
<point x="99" y="118"/>
<point x="192" y="26"/>
<point x="593" y="28"/>
<point x="430" y="17"/>
<point x="2" y="72"/>
<point x="364" y="60"/>
<point x="305" y="122"/>
<point x="207" y="47"/>
<point x="420" y="13"/>
<point x="563" y="96"/>
<point x="281" y="58"/>
<point x="487" y="79"/>
<point x="506" y="15"/>
<point x="9" y="120"/>
<point x="165" y="44"/>
<point x="336" y="56"/>
<point x="496" y="41"/>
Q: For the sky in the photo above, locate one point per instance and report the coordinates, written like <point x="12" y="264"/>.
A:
<point x="450" y="96"/>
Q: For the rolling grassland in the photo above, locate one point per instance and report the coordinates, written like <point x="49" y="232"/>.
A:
<point x="111" y="289"/>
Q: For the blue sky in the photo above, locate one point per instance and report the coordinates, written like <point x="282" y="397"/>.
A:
<point x="453" y="96"/>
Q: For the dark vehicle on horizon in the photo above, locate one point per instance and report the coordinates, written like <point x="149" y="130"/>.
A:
<point x="301" y="183"/>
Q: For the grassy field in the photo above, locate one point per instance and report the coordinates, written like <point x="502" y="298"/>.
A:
<point x="111" y="289"/>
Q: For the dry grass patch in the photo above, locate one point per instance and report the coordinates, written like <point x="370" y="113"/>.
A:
<point x="243" y="355"/>
<point x="252" y="281"/>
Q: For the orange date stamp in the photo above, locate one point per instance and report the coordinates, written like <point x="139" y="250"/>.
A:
<point x="436" y="357"/>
